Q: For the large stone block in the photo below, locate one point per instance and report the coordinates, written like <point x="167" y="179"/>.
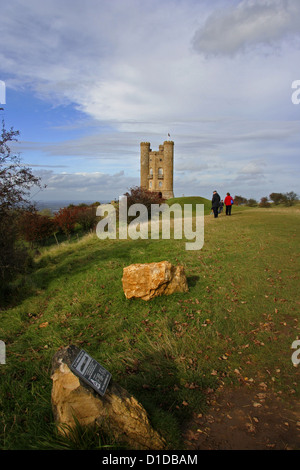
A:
<point x="117" y="412"/>
<point x="146" y="281"/>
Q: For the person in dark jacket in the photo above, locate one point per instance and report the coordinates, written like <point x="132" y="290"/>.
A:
<point x="215" y="203"/>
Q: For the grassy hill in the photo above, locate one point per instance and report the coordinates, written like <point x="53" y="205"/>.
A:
<point x="234" y="328"/>
<point x="191" y="200"/>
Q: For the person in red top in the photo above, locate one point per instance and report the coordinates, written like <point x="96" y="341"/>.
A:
<point x="228" y="201"/>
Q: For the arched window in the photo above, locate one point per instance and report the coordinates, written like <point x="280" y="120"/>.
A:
<point x="160" y="172"/>
<point x="151" y="172"/>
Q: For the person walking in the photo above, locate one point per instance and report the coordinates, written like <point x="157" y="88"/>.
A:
<point x="215" y="203"/>
<point x="228" y="203"/>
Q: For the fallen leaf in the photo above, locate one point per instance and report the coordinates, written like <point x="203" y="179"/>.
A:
<point x="250" y="427"/>
<point x="263" y="385"/>
<point x="261" y="396"/>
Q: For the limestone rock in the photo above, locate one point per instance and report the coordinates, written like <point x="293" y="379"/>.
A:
<point x="117" y="411"/>
<point x="150" y="280"/>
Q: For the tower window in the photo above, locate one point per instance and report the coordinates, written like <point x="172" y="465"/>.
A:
<point x="160" y="172"/>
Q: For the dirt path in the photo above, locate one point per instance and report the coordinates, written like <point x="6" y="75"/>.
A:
<point x="246" y="419"/>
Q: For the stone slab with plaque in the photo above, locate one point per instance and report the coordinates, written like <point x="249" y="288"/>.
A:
<point x="91" y="372"/>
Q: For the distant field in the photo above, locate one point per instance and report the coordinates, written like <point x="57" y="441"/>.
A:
<point x="234" y="327"/>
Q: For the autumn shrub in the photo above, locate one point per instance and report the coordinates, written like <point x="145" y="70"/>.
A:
<point x="35" y="227"/>
<point x="138" y="195"/>
<point x="264" y="202"/>
<point x="86" y="217"/>
<point x="66" y="218"/>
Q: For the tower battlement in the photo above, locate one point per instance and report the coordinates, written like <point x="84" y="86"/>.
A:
<point x="157" y="168"/>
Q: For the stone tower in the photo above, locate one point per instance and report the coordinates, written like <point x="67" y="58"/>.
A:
<point x="157" y="168"/>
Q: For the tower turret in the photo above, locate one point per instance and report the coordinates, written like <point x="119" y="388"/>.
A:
<point x="168" y="169"/>
<point x="145" y="150"/>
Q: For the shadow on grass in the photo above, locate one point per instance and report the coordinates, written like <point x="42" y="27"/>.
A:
<point x="75" y="260"/>
<point x="71" y="264"/>
<point x="192" y="280"/>
<point x="169" y="395"/>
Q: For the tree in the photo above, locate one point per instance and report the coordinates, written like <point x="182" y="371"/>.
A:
<point x="240" y="200"/>
<point x="16" y="180"/>
<point x="251" y="202"/>
<point x="66" y="219"/>
<point x="264" y="202"/>
<point x="290" y="198"/>
<point x="86" y="217"/>
<point x="138" y="195"/>
<point x="35" y="227"/>
<point x="277" y="198"/>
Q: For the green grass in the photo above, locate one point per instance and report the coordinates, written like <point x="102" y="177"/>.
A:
<point x="235" y="326"/>
<point x="193" y="200"/>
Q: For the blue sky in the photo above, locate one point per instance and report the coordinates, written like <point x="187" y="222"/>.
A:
<point x="86" y="82"/>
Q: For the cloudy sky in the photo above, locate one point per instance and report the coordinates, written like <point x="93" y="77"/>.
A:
<point x="86" y="82"/>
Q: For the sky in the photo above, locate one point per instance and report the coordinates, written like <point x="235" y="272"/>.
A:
<point x="86" y="82"/>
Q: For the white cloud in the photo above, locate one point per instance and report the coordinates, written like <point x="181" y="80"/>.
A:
<point x="84" y="186"/>
<point x="138" y="69"/>
<point x="249" y="24"/>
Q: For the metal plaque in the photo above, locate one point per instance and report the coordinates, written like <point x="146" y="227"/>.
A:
<point x="91" y="372"/>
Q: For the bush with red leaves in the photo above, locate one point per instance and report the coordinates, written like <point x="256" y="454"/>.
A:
<point x="138" y="195"/>
<point x="35" y="227"/>
<point x="66" y="218"/>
